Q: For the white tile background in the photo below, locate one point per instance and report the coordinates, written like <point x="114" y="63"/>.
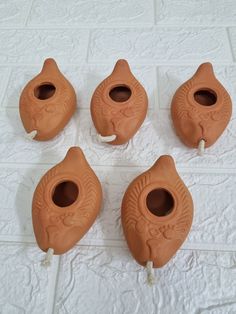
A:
<point x="164" y="41"/>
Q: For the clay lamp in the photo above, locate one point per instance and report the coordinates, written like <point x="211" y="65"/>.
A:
<point x="118" y="106"/>
<point x="47" y="103"/>
<point x="201" y="109"/>
<point x="156" y="214"/>
<point x="65" y="204"/>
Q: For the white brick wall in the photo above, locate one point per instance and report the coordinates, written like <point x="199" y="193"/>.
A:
<point x="97" y="280"/>
<point x="164" y="42"/>
<point x="158" y="44"/>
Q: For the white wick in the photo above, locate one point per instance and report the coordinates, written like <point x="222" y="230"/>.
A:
<point x="106" y="139"/>
<point x="31" y="135"/>
<point x="150" y="273"/>
<point x="201" y="147"/>
<point x="48" y="258"/>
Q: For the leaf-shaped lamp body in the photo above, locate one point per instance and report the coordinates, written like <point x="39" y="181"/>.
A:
<point x="201" y="108"/>
<point x="66" y="203"/>
<point x="157" y="213"/>
<point x="47" y="102"/>
<point x="119" y="104"/>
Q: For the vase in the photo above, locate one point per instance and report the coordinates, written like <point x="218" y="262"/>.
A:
<point x="156" y="213"/>
<point x="66" y="203"/>
<point x="47" y="103"/>
<point x="118" y="106"/>
<point x="201" y="109"/>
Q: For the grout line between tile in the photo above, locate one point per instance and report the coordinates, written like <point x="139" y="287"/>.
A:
<point x="172" y="62"/>
<point x="17" y="239"/>
<point x="77" y="130"/>
<point x="154" y="11"/>
<point x="157" y="94"/>
<point x="143" y="25"/>
<point x="53" y="284"/>
<point x="88" y="45"/>
<point x="134" y="63"/>
<point x="121" y="243"/>
<point x="125" y="168"/>
<point x="5" y="86"/>
<point x="75" y="117"/>
<point x="220" y="247"/>
<point x="186" y="246"/>
<point x="28" y="13"/>
<point x="230" y="44"/>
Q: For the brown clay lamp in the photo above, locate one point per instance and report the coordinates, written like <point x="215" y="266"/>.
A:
<point x="118" y="106"/>
<point x="157" y="213"/>
<point x="201" y="109"/>
<point x="47" y="103"/>
<point x="65" y="204"/>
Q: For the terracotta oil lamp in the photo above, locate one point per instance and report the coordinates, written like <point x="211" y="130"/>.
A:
<point x="156" y="213"/>
<point x="118" y="105"/>
<point x="65" y="204"/>
<point x="47" y="103"/>
<point x="201" y="109"/>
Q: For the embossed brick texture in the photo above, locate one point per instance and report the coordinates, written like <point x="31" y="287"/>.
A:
<point x="164" y="42"/>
